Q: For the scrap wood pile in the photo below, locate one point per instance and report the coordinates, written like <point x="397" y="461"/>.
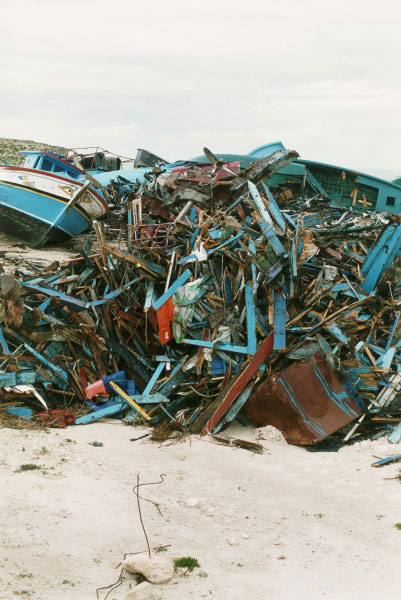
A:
<point x="218" y="297"/>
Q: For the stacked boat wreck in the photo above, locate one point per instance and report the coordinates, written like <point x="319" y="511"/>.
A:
<point x="262" y="287"/>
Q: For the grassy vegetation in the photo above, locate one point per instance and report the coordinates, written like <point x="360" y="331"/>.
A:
<point x="27" y="467"/>
<point x="186" y="562"/>
<point x="10" y="149"/>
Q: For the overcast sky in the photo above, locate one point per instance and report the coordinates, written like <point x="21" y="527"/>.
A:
<point x="174" y="75"/>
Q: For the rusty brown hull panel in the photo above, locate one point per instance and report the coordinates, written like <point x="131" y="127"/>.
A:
<point x="307" y="402"/>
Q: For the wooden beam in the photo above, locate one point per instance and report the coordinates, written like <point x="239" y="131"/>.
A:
<point x="218" y="408"/>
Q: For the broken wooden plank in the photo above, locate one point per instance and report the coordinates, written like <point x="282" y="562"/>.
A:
<point x="129" y="400"/>
<point x="99" y="414"/>
<point x="218" y="408"/>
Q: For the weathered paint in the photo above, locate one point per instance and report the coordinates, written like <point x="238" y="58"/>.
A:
<point x="306" y="402"/>
<point x="210" y="417"/>
<point x="380" y="257"/>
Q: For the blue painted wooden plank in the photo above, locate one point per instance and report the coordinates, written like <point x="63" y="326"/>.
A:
<point x="290" y="220"/>
<point x="252" y="248"/>
<point x="228" y="242"/>
<point x="338" y="334"/>
<point x="380" y="257"/>
<point x="395" y="435"/>
<point x="294" y="259"/>
<point x="215" y="233"/>
<point x="18" y="378"/>
<point x="250" y="318"/>
<point x="103" y="412"/>
<point x="45" y="304"/>
<point x="334" y="330"/>
<point x="266" y="225"/>
<point x="129" y="227"/>
<point x="228" y="290"/>
<point x="153" y="379"/>
<point x="387" y="460"/>
<point x="55" y="294"/>
<point x="111" y="295"/>
<point x="176" y="377"/>
<point x="149" y="296"/>
<point x="217" y="345"/>
<point x="260" y="205"/>
<point x="377" y="248"/>
<point x="193" y="238"/>
<point x="19" y="411"/>
<point x="397" y="318"/>
<point x="279" y="304"/>
<point x="154" y="398"/>
<point x="313" y="182"/>
<point x="3" y="342"/>
<point x="234" y="408"/>
<point x="185" y="259"/>
<point x="59" y="372"/>
<point x="273" y="240"/>
<point x="385" y="360"/>
<point x="88" y="271"/>
<point x="172" y="289"/>
<point x="274" y="208"/>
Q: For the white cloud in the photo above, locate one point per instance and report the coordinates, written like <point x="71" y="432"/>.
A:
<point x="175" y="76"/>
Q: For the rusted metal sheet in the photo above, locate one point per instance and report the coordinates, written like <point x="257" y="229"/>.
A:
<point x="307" y="402"/>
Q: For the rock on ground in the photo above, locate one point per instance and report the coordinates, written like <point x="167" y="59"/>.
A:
<point x="157" y="569"/>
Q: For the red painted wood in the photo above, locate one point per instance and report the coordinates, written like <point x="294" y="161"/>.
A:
<point x="220" y="406"/>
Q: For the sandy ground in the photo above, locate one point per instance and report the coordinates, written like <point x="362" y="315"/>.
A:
<point x="11" y="251"/>
<point x="287" y="524"/>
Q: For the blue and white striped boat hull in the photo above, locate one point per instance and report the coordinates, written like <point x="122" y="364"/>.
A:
<point x="32" y="207"/>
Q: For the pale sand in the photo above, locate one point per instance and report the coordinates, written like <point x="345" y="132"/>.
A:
<point x="11" y="250"/>
<point x="303" y="525"/>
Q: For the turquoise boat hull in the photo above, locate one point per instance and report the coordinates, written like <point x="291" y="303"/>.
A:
<point x="33" y="218"/>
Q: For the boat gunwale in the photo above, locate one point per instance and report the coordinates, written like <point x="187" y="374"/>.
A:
<point x="79" y="208"/>
<point x="53" y="176"/>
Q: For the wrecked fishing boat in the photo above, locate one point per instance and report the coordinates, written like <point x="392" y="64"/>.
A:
<point x="48" y="200"/>
<point x="342" y="187"/>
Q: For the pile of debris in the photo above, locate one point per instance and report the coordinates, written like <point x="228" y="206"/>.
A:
<point x="208" y="296"/>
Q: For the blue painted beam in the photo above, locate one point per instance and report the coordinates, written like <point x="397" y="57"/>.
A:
<point x="103" y="412"/>
<point x="387" y="460"/>
<point x="250" y="318"/>
<point x="395" y="435"/>
<point x="234" y="409"/>
<point x="274" y="209"/>
<point x="153" y="379"/>
<point x="18" y="378"/>
<point x="228" y="242"/>
<point x="3" y="342"/>
<point x="397" y="318"/>
<point x="172" y="289"/>
<point x="55" y="294"/>
<point x="154" y="398"/>
<point x="20" y="411"/>
<point x="56" y="370"/>
<point x="224" y="346"/>
<point x="380" y="257"/>
<point x="149" y="296"/>
<point x="266" y="224"/>
<point x="279" y="306"/>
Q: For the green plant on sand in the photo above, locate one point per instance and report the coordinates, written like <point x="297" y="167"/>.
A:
<point x="186" y="562"/>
